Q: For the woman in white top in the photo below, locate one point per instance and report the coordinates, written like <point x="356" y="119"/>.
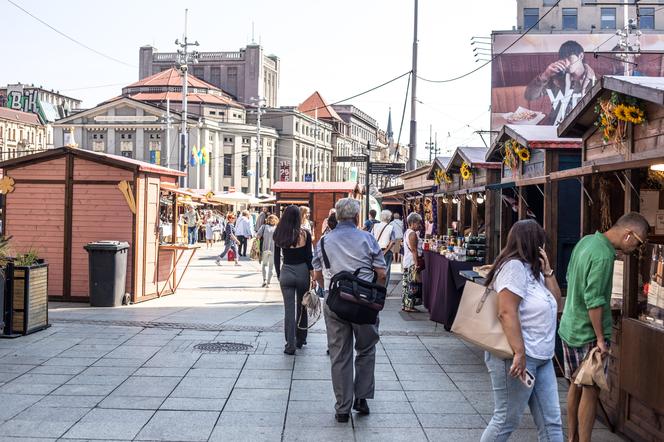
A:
<point x="528" y="301"/>
<point x="306" y="222"/>
<point x="412" y="283"/>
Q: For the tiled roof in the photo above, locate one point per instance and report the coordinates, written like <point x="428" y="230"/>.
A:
<point x="176" y="97"/>
<point x="171" y="77"/>
<point x="19" y="116"/>
<point x="316" y="103"/>
<point x="318" y="186"/>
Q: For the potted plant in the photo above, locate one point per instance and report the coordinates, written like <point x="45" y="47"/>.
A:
<point x="28" y="289"/>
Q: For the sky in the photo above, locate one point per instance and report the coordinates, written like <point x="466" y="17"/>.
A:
<point x="339" y="48"/>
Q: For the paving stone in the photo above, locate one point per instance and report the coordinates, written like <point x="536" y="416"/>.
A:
<point x="147" y="386"/>
<point x="13" y="404"/>
<point x="133" y="352"/>
<point x="161" y="371"/>
<point x="313" y="420"/>
<point x="18" y="369"/>
<point x="77" y="362"/>
<point x="370" y="434"/>
<point x="218" y="388"/>
<point x="296" y="434"/>
<point x="108" y="371"/>
<point x="131" y="402"/>
<point x="250" y="434"/>
<point x="311" y="407"/>
<point x="250" y="419"/>
<point x="42" y="422"/>
<point x="84" y="390"/>
<point x="441" y="420"/>
<point x="231" y="373"/>
<point x="18" y="388"/>
<point x="456" y="435"/>
<point x="110" y="424"/>
<point x="69" y="401"/>
<point x="97" y="380"/>
<point x="112" y="362"/>
<point x="58" y="369"/>
<point x="458" y="407"/>
<point x="221" y="361"/>
<point x="194" y="404"/>
<point x="389" y="420"/>
<point x="179" y="425"/>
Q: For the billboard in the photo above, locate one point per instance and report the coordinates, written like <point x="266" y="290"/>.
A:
<point x="542" y="77"/>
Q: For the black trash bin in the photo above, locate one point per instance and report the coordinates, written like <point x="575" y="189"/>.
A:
<point x="107" y="269"/>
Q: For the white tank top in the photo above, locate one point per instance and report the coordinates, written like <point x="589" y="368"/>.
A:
<point x="408" y="258"/>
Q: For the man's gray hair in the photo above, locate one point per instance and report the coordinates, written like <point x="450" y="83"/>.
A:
<point x="396" y="215"/>
<point x="413" y="218"/>
<point x="385" y="216"/>
<point x="347" y="209"/>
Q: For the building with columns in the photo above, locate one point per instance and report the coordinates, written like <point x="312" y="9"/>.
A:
<point x="245" y="74"/>
<point x="135" y="125"/>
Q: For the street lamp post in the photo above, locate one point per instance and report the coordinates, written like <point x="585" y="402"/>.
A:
<point x="258" y="102"/>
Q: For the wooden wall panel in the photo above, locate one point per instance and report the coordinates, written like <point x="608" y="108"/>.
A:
<point x="35" y="220"/>
<point x="100" y="212"/>
<point x="88" y="170"/>
<point x="151" y="235"/>
<point x="139" y="251"/>
<point x="47" y="170"/>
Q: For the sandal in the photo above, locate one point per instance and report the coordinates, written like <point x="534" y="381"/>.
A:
<point x="409" y="310"/>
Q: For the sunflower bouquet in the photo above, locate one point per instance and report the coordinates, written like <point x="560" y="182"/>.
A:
<point x="466" y="173"/>
<point x="514" y="154"/>
<point x="441" y="177"/>
<point x="614" y="114"/>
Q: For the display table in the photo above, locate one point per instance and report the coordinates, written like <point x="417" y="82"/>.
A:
<point x="442" y="286"/>
<point x="176" y="252"/>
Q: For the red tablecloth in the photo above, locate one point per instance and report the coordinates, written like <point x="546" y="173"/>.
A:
<point x="442" y="287"/>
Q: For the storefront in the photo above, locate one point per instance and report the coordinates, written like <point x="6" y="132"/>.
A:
<point x="59" y="200"/>
<point x="529" y="154"/>
<point x="621" y="121"/>
<point x="418" y="196"/>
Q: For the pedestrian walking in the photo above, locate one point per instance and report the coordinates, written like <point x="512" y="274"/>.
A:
<point x="586" y="321"/>
<point x="295" y="276"/>
<point x="397" y="228"/>
<point x="324" y="225"/>
<point x="243" y="231"/>
<point x="210" y="222"/>
<point x="232" y="241"/>
<point x="261" y="218"/>
<point x="383" y="231"/>
<point x="528" y="301"/>
<point x="266" y="237"/>
<point x="369" y="223"/>
<point x="306" y="222"/>
<point x="349" y="249"/>
<point x="192" y="220"/>
<point x="412" y="265"/>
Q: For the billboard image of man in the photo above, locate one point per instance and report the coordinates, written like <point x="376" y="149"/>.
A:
<point x="564" y="82"/>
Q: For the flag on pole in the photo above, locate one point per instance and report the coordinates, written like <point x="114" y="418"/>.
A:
<point x="204" y="156"/>
<point x="193" y="161"/>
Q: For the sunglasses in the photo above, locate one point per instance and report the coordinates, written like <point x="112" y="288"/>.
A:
<point x="642" y="243"/>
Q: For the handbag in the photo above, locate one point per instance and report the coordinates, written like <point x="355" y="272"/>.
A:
<point x="255" y="252"/>
<point x="312" y="308"/>
<point x="477" y="321"/>
<point x="352" y="298"/>
<point x="591" y="370"/>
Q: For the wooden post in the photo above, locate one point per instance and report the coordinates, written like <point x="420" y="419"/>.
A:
<point x="631" y="266"/>
<point x="473" y="215"/>
<point x="551" y="206"/>
<point x="69" y="215"/>
<point x="521" y="201"/>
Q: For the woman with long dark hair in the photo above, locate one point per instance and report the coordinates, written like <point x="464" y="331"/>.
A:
<point x="528" y="301"/>
<point x="295" y="276"/>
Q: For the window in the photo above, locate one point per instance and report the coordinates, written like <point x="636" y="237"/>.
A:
<point x="228" y="139"/>
<point x="228" y="164"/>
<point x="608" y="18"/>
<point x="245" y="140"/>
<point x="530" y="17"/>
<point x="98" y="146"/>
<point x="199" y="72"/>
<point x="225" y="188"/>
<point x="126" y="148"/>
<point x="245" y="190"/>
<point x="215" y="76"/>
<point x="647" y="18"/>
<point x="297" y="126"/>
<point x="213" y="112"/>
<point x="569" y="18"/>
<point x="245" y="164"/>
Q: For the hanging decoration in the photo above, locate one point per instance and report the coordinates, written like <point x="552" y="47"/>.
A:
<point x="614" y="114"/>
<point x="6" y="185"/>
<point x="466" y="172"/>
<point x="193" y="160"/>
<point x="441" y="177"/>
<point x="515" y="154"/>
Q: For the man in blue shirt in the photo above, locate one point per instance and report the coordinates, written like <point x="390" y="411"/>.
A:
<point x="349" y="248"/>
<point x="369" y="223"/>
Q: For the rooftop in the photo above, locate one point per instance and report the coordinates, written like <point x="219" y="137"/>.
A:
<point x="19" y="116"/>
<point x="316" y="106"/>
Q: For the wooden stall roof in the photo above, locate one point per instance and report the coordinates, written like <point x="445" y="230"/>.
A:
<point x="415" y="172"/>
<point x="98" y="157"/>
<point x="315" y="187"/>
<point x="438" y="163"/>
<point x="391" y="191"/>
<point x="583" y="117"/>
<point x="474" y="156"/>
<point x="532" y="137"/>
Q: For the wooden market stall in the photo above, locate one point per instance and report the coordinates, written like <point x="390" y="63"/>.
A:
<point x="443" y="215"/>
<point x="320" y="197"/>
<point x="621" y="171"/>
<point x="418" y="196"/>
<point x="59" y="200"/>
<point x="529" y="154"/>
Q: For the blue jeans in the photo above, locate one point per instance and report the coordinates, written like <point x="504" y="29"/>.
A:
<point x="511" y="396"/>
<point x="192" y="231"/>
<point x="388" y="262"/>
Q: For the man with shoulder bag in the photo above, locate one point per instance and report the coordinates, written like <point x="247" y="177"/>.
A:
<point x="357" y="294"/>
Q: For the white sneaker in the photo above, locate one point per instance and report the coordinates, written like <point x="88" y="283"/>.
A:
<point x="217" y="261"/>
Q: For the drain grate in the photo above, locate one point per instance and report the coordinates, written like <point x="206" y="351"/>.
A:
<point x="217" y="347"/>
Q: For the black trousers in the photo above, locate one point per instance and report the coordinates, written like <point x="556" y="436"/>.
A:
<point x="243" y="245"/>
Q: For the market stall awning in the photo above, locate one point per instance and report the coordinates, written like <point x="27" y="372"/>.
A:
<point x="532" y="137"/>
<point x="235" y="198"/>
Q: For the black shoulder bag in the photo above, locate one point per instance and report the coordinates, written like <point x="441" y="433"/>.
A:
<point x="352" y="298"/>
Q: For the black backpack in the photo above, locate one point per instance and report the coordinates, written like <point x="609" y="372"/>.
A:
<point x="354" y="299"/>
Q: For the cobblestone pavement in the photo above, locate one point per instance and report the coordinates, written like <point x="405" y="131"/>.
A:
<point x="134" y="373"/>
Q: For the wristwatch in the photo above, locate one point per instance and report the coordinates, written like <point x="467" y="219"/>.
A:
<point x="549" y="274"/>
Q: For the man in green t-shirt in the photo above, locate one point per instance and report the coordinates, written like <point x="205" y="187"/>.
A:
<point x="586" y="319"/>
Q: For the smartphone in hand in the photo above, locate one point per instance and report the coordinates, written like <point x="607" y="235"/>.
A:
<point x="527" y="379"/>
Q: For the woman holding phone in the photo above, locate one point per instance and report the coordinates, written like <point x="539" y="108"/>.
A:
<point x="528" y="301"/>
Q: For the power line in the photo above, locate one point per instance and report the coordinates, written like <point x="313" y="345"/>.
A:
<point x="449" y="80"/>
<point x="68" y="37"/>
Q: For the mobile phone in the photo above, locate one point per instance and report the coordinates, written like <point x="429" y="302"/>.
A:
<point x="527" y="378"/>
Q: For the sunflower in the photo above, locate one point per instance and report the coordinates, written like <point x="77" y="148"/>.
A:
<point x="634" y="115"/>
<point x="524" y="154"/>
<point x="447" y="178"/>
<point x="620" y="111"/>
<point x="465" y="172"/>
